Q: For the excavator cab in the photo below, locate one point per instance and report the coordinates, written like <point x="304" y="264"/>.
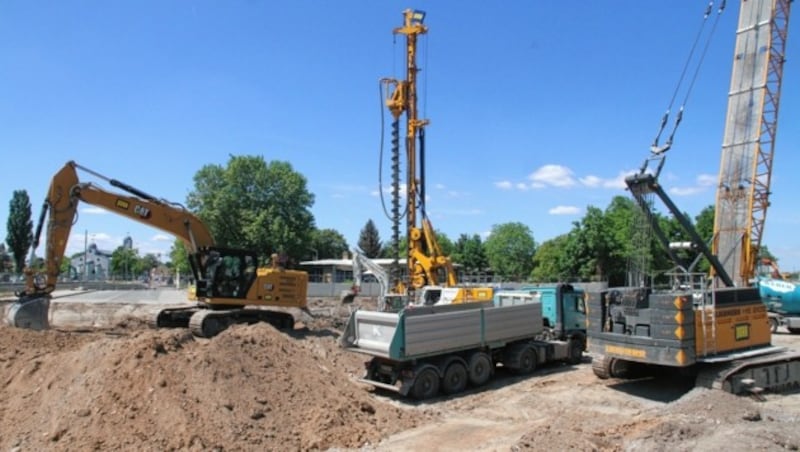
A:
<point x="224" y="272"/>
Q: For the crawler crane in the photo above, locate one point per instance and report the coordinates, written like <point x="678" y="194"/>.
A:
<point x="227" y="280"/>
<point x="714" y="326"/>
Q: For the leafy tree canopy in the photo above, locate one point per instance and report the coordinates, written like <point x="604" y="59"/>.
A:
<point x="510" y="249"/>
<point x="469" y="252"/>
<point x="369" y="240"/>
<point x="255" y="205"/>
<point x="19" y="227"/>
<point x="327" y="244"/>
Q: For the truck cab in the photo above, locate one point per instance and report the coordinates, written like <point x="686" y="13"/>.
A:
<point x="563" y="306"/>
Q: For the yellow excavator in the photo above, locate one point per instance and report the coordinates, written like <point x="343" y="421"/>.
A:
<point x="230" y="287"/>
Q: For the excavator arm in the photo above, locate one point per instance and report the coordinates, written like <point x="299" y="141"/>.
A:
<point x="66" y="192"/>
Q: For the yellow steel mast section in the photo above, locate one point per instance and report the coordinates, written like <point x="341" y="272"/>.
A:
<point x="424" y="256"/>
<point x="749" y="141"/>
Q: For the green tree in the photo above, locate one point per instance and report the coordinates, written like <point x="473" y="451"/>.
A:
<point x="125" y="263"/>
<point x="764" y="253"/>
<point x="369" y="240"/>
<point x="445" y="244"/>
<point x="255" y="205"/>
<point x="618" y="219"/>
<point x="327" y="243"/>
<point x="469" y="253"/>
<point x="148" y="262"/>
<point x="588" y="246"/>
<point x="19" y="227"/>
<point x="510" y="249"/>
<point x="402" y="246"/>
<point x="66" y="266"/>
<point x="704" y="223"/>
<point x="549" y="264"/>
<point x="179" y="259"/>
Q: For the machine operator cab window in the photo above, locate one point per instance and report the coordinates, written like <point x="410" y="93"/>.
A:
<point x="230" y="274"/>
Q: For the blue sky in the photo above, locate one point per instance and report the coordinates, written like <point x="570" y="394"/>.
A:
<point x="537" y="108"/>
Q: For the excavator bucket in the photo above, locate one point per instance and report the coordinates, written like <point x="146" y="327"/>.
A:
<point x="31" y="313"/>
<point x="347" y="296"/>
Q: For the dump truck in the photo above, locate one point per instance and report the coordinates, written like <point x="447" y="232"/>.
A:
<point x="783" y="303"/>
<point x="420" y="351"/>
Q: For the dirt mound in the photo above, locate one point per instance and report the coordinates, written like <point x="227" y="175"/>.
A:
<point x="251" y="387"/>
<point x="706" y="419"/>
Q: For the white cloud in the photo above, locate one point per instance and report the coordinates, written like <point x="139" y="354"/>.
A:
<point x="707" y="180"/>
<point x="162" y="238"/>
<point x="591" y="181"/>
<point x="617" y="182"/>
<point x="562" y="177"/>
<point x="387" y="190"/>
<point x="553" y="175"/>
<point x="685" y="191"/>
<point x="94" y="210"/>
<point x="439" y="186"/>
<point x="702" y="181"/>
<point x="564" y="210"/>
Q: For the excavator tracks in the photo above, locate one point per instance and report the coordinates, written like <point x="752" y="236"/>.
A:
<point x="207" y="322"/>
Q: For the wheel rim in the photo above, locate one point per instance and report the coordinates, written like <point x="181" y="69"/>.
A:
<point x="479" y="369"/>
<point x="455" y="378"/>
<point x="619" y="368"/>
<point x="527" y="361"/>
<point x="427" y="384"/>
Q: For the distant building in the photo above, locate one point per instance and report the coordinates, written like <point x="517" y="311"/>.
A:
<point x="94" y="265"/>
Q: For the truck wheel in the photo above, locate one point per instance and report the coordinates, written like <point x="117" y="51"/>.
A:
<point x="526" y="361"/>
<point x="455" y="378"/>
<point x="601" y="366"/>
<point x="480" y="368"/>
<point x="426" y="385"/>
<point x="773" y="324"/>
<point x="575" y="351"/>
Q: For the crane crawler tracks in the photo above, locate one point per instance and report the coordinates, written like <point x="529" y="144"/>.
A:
<point x="775" y="372"/>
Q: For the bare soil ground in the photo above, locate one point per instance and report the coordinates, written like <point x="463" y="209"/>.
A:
<point x="128" y="387"/>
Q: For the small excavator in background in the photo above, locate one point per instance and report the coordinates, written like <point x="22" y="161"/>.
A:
<point x="227" y="280"/>
<point x="394" y="301"/>
<point x="362" y="264"/>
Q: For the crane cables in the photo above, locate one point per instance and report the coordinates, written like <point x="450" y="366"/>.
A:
<point x="655" y="148"/>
